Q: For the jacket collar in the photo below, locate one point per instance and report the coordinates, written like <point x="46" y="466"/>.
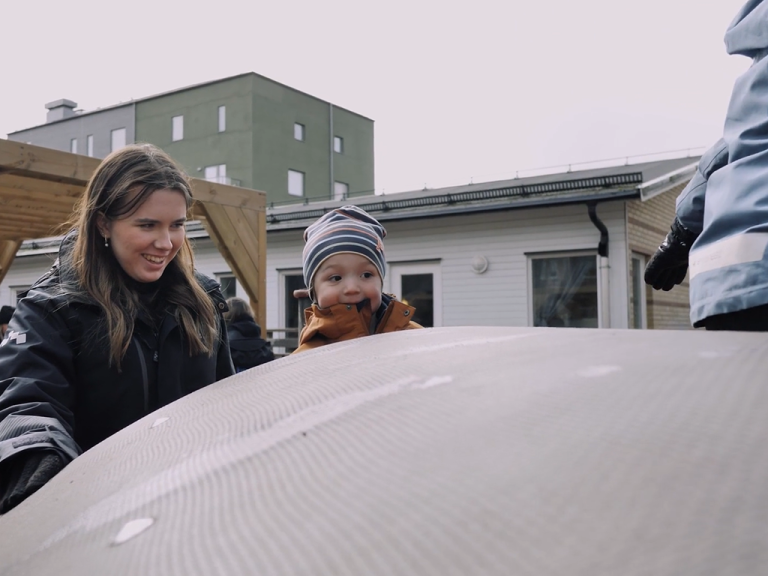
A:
<point x="344" y="321"/>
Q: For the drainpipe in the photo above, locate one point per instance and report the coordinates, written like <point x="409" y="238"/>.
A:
<point x="330" y="129"/>
<point x="602" y="251"/>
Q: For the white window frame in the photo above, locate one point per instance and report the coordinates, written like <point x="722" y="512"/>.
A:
<point x="338" y="145"/>
<point x="222" y="118"/>
<point x="340" y="193"/>
<point x="177" y="128"/>
<point x="299" y="131"/>
<point x="564" y="253"/>
<point x="89" y="145"/>
<point x="293" y="175"/>
<point x="396" y="271"/>
<point x="73" y="145"/>
<point x="282" y="296"/>
<point x="115" y="135"/>
<point x="639" y="284"/>
<point x="220" y="175"/>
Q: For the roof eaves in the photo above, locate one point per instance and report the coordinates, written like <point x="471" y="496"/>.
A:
<point x="665" y="182"/>
<point x="384" y="211"/>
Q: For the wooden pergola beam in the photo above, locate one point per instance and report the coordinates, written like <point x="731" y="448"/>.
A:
<point x="45" y="163"/>
<point x="240" y="236"/>
<point x="40" y="187"/>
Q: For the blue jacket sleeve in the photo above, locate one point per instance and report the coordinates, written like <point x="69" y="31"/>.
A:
<point x="36" y="381"/>
<point x="690" y="203"/>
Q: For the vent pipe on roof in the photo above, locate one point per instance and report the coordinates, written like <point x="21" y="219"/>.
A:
<point x="604" y="278"/>
<point x="60" y="109"/>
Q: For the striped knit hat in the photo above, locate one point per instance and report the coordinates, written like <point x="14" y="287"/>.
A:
<point x="345" y="229"/>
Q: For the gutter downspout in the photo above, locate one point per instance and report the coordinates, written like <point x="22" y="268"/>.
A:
<point x="602" y="251"/>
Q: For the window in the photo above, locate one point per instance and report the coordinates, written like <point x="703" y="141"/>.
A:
<point x="295" y="183"/>
<point x="222" y="118"/>
<point x="89" y="145"/>
<point x="73" y="145"/>
<point x="118" y="139"/>
<point x="298" y="131"/>
<point x="228" y="284"/>
<point x="338" y="144"/>
<point x="340" y="191"/>
<point x="217" y="173"/>
<point x="418" y="284"/>
<point x="564" y="291"/>
<point x="638" y="296"/>
<point x="286" y="338"/>
<point x="177" y="123"/>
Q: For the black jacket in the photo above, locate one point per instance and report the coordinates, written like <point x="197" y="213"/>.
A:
<point x="57" y="389"/>
<point x="247" y="347"/>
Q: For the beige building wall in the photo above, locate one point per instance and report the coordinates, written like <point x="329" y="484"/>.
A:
<point x="647" y="224"/>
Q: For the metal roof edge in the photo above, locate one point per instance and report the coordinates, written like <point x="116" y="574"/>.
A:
<point x="663" y="183"/>
<point x="626" y="194"/>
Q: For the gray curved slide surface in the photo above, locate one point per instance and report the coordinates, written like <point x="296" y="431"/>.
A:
<point x="432" y="452"/>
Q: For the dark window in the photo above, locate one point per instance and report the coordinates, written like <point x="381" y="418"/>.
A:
<point x="228" y="285"/>
<point x="565" y="291"/>
<point x="418" y="291"/>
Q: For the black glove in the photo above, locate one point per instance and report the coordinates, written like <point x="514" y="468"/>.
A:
<point x="24" y="474"/>
<point x="669" y="264"/>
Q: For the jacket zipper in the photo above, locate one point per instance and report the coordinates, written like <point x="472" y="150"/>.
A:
<point x="143" y="363"/>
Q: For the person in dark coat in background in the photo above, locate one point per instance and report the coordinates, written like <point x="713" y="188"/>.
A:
<point x="5" y="316"/>
<point x="120" y="326"/>
<point x="246" y="345"/>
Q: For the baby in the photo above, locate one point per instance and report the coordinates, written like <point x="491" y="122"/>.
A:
<point x="344" y="267"/>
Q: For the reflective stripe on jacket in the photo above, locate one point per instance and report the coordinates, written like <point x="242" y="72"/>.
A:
<point x="58" y="388"/>
<point x="727" y="200"/>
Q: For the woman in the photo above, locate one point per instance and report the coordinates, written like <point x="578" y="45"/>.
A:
<point x="118" y="327"/>
<point x="245" y="342"/>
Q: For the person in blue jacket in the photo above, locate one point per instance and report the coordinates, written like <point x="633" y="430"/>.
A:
<point x="720" y="231"/>
<point x="120" y="326"/>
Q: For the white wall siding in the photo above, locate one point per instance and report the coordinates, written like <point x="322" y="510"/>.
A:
<point x="23" y="272"/>
<point x="499" y="297"/>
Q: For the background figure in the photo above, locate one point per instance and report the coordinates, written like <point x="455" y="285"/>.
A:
<point x="5" y="317"/>
<point x="245" y="342"/>
<point x="121" y="324"/>
<point x="721" y="224"/>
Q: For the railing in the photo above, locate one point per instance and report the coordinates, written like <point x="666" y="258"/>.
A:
<point x="283" y="340"/>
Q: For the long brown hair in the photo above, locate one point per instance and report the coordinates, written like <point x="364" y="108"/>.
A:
<point x="121" y="183"/>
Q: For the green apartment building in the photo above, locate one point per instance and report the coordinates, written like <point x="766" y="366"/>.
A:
<point x="245" y="130"/>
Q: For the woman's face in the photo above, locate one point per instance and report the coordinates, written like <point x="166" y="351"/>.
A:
<point x="146" y="241"/>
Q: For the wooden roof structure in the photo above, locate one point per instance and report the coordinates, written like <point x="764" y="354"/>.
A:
<point x="39" y="188"/>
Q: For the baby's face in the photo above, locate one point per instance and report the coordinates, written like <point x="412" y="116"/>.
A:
<point x="347" y="279"/>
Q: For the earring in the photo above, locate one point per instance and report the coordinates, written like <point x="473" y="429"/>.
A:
<point x="106" y="242"/>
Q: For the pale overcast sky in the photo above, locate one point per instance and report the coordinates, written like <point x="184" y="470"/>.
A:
<point x="477" y="91"/>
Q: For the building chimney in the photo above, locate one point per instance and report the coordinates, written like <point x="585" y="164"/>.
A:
<point x="60" y="109"/>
